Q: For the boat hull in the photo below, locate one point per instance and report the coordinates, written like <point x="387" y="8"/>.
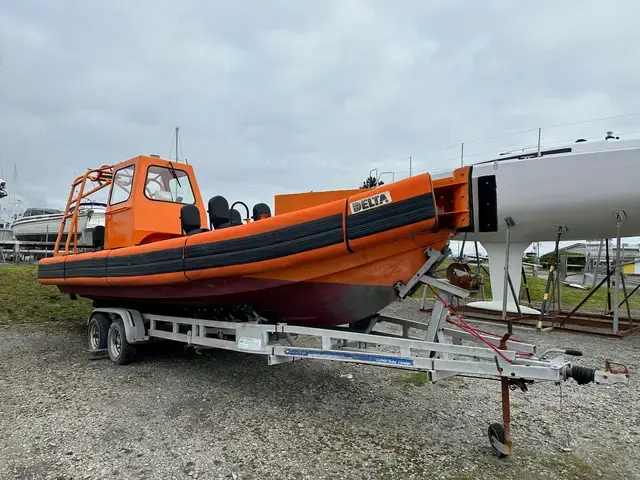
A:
<point x="341" y="297"/>
<point x="304" y="303"/>
<point x="6" y="235"/>
<point x="44" y="228"/>
<point x="579" y="189"/>
<point x="329" y="264"/>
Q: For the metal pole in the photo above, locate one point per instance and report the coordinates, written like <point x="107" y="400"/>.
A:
<point x="558" y="288"/>
<point x="626" y="298"/>
<point x="526" y="285"/>
<point x="479" y="271"/>
<point x="177" y="157"/>
<point x="550" y="278"/>
<point x="513" y="294"/>
<point x="505" y="289"/>
<point x="462" y="154"/>
<point x="410" y="165"/>
<point x="464" y="241"/>
<point x="597" y="269"/>
<point x="606" y="245"/>
<point x="616" y="292"/>
<point x="539" y="135"/>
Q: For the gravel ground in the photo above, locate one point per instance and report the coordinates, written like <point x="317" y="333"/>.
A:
<point x="224" y="415"/>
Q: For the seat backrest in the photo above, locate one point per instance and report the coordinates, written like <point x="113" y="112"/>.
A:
<point x="163" y="195"/>
<point x="218" y="211"/>
<point x="189" y="218"/>
<point x="261" y="210"/>
<point x="236" y="218"/>
<point x="98" y="237"/>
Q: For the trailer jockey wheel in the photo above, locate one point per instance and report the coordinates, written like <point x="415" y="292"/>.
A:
<point x="98" y="331"/>
<point x="497" y="439"/>
<point x="121" y="352"/>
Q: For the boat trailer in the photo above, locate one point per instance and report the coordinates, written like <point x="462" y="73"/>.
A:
<point x="435" y="347"/>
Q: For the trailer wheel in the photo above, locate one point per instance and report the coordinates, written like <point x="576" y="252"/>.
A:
<point x="98" y="331"/>
<point x="496" y="434"/>
<point x="121" y="352"/>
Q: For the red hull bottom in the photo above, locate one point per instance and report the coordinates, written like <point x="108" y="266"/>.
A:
<point x="318" y="304"/>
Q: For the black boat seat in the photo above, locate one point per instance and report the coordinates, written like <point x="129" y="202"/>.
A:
<point x="260" y="211"/>
<point x="218" y="209"/>
<point x="98" y="237"/>
<point x="236" y="218"/>
<point x="190" y="220"/>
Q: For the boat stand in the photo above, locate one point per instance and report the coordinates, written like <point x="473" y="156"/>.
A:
<point x="435" y="347"/>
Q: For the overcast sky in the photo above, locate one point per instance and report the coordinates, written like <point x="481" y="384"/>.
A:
<point x="283" y="96"/>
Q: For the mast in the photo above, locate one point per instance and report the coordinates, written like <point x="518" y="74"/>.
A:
<point x="15" y="187"/>
<point x="177" y="146"/>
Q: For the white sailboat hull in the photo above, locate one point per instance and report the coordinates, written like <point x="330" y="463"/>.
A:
<point x="6" y="235"/>
<point x="41" y="228"/>
<point x="579" y="190"/>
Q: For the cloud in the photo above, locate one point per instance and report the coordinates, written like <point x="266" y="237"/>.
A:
<point x="286" y="96"/>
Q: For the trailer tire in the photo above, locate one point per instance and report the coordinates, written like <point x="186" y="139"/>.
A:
<point x="496" y="433"/>
<point x="121" y="352"/>
<point x="98" y="331"/>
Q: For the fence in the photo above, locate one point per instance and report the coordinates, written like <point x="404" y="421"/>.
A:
<point x="15" y="251"/>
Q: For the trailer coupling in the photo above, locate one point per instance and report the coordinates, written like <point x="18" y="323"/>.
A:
<point x="608" y="376"/>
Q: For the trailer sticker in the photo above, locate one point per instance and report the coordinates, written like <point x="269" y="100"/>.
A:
<point x="368" y="203"/>
<point x="362" y="357"/>
<point x="250" y="343"/>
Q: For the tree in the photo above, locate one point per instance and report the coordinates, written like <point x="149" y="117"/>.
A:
<point x="371" y="182"/>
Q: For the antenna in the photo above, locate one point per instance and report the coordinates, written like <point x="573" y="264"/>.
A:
<point x="177" y="145"/>
<point x="15" y="188"/>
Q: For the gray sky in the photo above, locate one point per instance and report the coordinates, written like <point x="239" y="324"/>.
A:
<point x="283" y="96"/>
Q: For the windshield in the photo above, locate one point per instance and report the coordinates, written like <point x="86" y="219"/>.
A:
<point x="168" y="185"/>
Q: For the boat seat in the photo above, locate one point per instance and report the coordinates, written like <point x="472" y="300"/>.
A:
<point x="260" y="211"/>
<point x="218" y="209"/>
<point x="190" y="220"/>
<point x="236" y="218"/>
<point x="97" y="238"/>
<point x="163" y="195"/>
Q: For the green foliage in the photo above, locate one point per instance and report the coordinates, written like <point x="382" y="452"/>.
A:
<point x="371" y="182"/>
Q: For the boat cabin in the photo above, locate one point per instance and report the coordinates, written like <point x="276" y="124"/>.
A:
<point x="146" y="197"/>
<point x="152" y="199"/>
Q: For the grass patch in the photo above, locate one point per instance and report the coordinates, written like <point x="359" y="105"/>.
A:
<point x="570" y="296"/>
<point x="23" y="299"/>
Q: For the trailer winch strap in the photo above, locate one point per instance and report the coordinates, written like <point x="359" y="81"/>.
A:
<point x="468" y="328"/>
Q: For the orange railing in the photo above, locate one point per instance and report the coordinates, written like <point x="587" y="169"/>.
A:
<point x="102" y="176"/>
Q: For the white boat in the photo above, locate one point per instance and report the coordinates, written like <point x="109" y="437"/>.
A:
<point x="42" y="224"/>
<point x="6" y="234"/>
<point x="578" y="187"/>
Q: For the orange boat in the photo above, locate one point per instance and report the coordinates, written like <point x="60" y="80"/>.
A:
<point x="322" y="259"/>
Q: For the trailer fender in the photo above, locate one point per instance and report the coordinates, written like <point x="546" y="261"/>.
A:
<point x="135" y="330"/>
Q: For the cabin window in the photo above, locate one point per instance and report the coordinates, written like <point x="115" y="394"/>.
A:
<point x="122" y="183"/>
<point x="168" y="185"/>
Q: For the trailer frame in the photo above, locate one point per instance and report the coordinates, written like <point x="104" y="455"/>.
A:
<point x="420" y="347"/>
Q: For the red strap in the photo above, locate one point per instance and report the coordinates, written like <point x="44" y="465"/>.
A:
<point x="468" y="328"/>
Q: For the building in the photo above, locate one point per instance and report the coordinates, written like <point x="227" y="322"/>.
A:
<point x="628" y="252"/>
